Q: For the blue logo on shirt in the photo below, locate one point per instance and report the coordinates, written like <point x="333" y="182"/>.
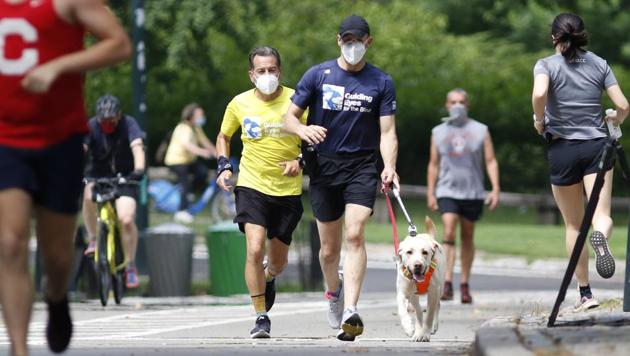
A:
<point x="251" y="127"/>
<point x="332" y="97"/>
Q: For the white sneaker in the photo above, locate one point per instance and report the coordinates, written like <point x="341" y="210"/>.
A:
<point x="184" y="217"/>
<point x="335" y="307"/>
<point x="585" y="303"/>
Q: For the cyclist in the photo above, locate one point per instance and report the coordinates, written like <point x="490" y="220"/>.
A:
<point x="115" y="145"/>
<point x="42" y="121"/>
<point x="189" y="142"/>
<point x="270" y="180"/>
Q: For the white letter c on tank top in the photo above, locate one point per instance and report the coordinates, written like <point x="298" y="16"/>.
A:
<point x="29" y="58"/>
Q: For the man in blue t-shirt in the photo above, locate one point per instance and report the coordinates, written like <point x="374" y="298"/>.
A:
<point x="352" y="106"/>
<point x="115" y="145"/>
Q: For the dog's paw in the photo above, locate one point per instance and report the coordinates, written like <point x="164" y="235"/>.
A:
<point x="408" y="326"/>
<point x="421" y="337"/>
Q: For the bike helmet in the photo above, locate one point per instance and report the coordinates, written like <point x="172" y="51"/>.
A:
<point x="107" y="106"/>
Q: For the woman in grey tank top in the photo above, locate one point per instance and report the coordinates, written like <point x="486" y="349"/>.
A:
<point x="567" y="110"/>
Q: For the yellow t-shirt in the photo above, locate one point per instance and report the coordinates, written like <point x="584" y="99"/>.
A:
<point x="176" y="152"/>
<point x="265" y="143"/>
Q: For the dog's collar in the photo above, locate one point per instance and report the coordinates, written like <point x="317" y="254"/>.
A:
<point x="423" y="286"/>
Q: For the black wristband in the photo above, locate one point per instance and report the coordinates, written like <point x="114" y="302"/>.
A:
<point x="300" y="160"/>
<point x="223" y="164"/>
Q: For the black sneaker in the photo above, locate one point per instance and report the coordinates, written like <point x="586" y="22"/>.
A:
<point x="59" y="328"/>
<point x="262" y="328"/>
<point x="270" y="294"/>
<point x="605" y="262"/>
<point x="447" y="294"/>
<point x="351" y="327"/>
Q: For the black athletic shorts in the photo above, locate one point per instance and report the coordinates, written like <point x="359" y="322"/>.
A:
<point x="571" y="160"/>
<point x="341" y="180"/>
<point x="470" y="209"/>
<point x="52" y="176"/>
<point x="279" y="215"/>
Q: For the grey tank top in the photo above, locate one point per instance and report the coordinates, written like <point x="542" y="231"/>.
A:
<point x="461" y="160"/>
<point x="574" y="109"/>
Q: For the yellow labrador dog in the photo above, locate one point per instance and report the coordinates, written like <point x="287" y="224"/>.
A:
<point x="420" y="266"/>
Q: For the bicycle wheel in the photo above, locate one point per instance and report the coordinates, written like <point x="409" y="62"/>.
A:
<point x="102" y="267"/>
<point x="118" y="278"/>
<point x="223" y="206"/>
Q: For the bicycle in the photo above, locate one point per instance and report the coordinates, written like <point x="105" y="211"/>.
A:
<point x="109" y="258"/>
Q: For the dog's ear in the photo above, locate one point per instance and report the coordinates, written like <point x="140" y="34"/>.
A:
<point x="429" y="226"/>
<point x="399" y="254"/>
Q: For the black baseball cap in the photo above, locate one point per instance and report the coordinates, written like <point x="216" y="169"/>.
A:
<point x="355" y="25"/>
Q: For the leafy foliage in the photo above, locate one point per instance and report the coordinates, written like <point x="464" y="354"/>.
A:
<point x="197" y="51"/>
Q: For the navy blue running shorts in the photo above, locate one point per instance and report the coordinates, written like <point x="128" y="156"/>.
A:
<point x="342" y="180"/>
<point x="571" y="160"/>
<point x="52" y="175"/>
<point x="470" y="209"/>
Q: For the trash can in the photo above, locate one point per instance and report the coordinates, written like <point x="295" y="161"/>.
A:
<point x="226" y="252"/>
<point x="168" y="250"/>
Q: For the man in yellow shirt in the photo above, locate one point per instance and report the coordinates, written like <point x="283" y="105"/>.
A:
<point x="269" y="183"/>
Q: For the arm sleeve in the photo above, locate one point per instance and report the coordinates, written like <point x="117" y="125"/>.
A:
<point x="230" y="123"/>
<point x="541" y="68"/>
<point x="388" y="102"/>
<point x="134" y="130"/>
<point x="609" y="77"/>
<point x="87" y="139"/>
<point x="305" y="90"/>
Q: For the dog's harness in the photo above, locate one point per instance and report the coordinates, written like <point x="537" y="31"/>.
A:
<point x="421" y="286"/>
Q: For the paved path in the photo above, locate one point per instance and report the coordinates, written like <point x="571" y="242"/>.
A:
<point x="202" y="325"/>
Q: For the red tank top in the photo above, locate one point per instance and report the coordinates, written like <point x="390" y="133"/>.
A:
<point x="31" y="33"/>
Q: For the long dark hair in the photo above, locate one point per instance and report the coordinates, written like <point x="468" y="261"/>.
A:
<point x="568" y="31"/>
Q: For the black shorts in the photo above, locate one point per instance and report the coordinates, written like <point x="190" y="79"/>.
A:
<point x="571" y="160"/>
<point x="471" y="209"/>
<point x="342" y="180"/>
<point x="52" y="175"/>
<point x="279" y="215"/>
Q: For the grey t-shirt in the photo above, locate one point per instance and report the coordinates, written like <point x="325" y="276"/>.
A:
<point x="461" y="160"/>
<point x="574" y="109"/>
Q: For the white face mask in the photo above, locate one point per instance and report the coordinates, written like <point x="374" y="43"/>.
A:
<point x="267" y="83"/>
<point x="353" y="52"/>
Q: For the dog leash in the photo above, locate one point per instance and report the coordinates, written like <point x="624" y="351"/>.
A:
<point x="392" y="217"/>
<point x="423" y="286"/>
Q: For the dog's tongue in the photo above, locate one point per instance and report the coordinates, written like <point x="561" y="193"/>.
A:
<point x="418" y="278"/>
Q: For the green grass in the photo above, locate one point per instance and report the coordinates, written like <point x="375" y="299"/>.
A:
<point x="529" y="240"/>
<point x="505" y="231"/>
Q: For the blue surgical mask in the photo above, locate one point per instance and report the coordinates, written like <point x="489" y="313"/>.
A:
<point x="200" y="121"/>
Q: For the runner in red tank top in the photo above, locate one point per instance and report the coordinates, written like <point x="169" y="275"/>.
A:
<point x="42" y="120"/>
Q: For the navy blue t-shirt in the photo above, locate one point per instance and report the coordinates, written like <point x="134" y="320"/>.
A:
<point x="348" y="104"/>
<point x="111" y="154"/>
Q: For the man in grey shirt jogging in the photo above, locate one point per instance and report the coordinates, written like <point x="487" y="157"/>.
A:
<point x="455" y="183"/>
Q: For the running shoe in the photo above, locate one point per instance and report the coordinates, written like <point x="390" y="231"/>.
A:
<point x="351" y="327"/>
<point x="447" y="294"/>
<point x="90" y="249"/>
<point x="605" y="262"/>
<point x="335" y="306"/>
<point x="131" y="277"/>
<point x="59" y="328"/>
<point x="585" y="303"/>
<point x="184" y="217"/>
<point x="465" y="292"/>
<point x="262" y="329"/>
